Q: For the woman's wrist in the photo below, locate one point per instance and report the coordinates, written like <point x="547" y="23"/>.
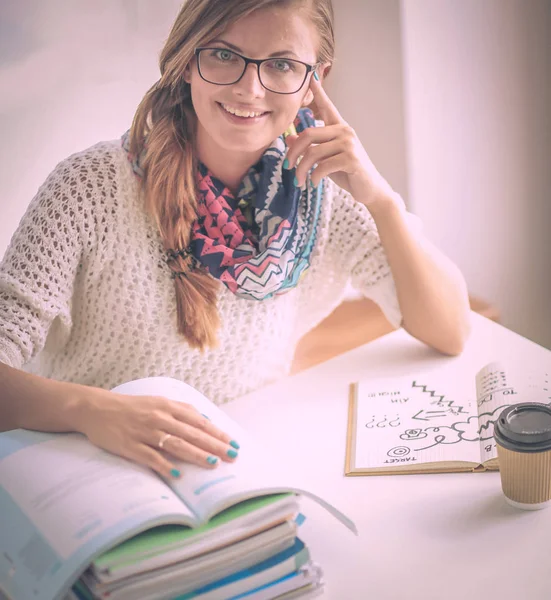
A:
<point x="33" y="402"/>
<point x="386" y="207"/>
<point x="55" y="406"/>
<point x="79" y="404"/>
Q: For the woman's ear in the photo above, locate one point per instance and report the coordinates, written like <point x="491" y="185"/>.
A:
<point x="308" y="98"/>
<point x="322" y="71"/>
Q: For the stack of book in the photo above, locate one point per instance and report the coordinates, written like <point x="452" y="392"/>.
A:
<point x="250" y="550"/>
<point x="80" y="523"/>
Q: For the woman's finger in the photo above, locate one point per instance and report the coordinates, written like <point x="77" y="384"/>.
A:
<point x="312" y="135"/>
<point x="327" y="110"/>
<point x="148" y="457"/>
<point x="290" y="140"/>
<point x="209" y="445"/>
<point x="316" y="154"/>
<point x="326" y="167"/>
<point x="193" y="417"/>
<point x="182" y="450"/>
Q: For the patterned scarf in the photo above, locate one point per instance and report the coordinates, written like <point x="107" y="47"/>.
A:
<point x="257" y="243"/>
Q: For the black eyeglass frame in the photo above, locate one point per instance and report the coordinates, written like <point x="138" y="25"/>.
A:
<point x="257" y="62"/>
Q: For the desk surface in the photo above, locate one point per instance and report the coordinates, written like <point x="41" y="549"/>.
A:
<point x="441" y="537"/>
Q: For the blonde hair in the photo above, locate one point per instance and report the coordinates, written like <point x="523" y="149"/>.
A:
<point x="165" y="123"/>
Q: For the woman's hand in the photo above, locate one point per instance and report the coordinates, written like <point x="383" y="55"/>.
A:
<point x="134" y="426"/>
<point x="338" y="153"/>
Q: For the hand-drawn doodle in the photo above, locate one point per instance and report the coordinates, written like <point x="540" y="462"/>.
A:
<point x="383" y="423"/>
<point x="486" y="422"/>
<point x="475" y="428"/>
<point x="451" y="407"/>
<point x="468" y="430"/>
<point x="427" y="415"/>
<point x="431" y="435"/>
<point x="440" y="400"/>
<point x="413" y="434"/>
<point x="398" y="452"/>
<point x="478" y="427"/>
<point x="439" y="397"/>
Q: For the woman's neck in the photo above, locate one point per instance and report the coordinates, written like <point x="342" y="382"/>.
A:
<point x="227" y="166"/>
<point x="230" y="170"/>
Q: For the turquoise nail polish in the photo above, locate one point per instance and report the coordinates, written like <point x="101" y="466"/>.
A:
<point x="204" y="415"/>
<point x="285" y="164"/>
<point x="175" y="473"/>
<point x="232" y="453"/>
<point x="212" y="460"/>
<point x="295" y="181"/>
<point x="316" y="76"/>
<point x="234" y="444"/>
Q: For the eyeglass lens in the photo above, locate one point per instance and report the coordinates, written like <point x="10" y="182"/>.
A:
<point x="224" y="67"/>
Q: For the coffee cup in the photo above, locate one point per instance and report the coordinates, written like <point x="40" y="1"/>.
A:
<point x="523" y="438"/>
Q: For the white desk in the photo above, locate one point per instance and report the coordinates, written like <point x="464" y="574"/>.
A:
<point x="445" y="537"/>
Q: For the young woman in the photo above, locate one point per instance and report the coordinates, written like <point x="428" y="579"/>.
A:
<point x="223" y="227"/>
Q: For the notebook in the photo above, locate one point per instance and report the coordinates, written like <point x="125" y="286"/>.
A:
<point x="439" y="421"/>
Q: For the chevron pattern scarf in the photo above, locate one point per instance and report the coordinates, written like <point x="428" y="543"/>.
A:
<point x="259" y="242"/>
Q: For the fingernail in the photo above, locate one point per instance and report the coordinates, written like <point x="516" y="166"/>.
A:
<point x="316" y="76"/>
<point x="175" y="473"/>
<point x="204" y="415"/>
<point x="285" y="164"/>
<point x="212" y="460"/>
<point x="234" y="444"/>
<point x="295" y="181"/>
<point x="232" y="453"/>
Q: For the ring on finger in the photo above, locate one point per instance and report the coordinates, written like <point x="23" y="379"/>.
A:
<point x="163" y="440"/>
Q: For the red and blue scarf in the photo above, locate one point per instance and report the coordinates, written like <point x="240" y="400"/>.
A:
<point x="259" y="242"/>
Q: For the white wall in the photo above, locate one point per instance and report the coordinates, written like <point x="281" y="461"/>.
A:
<point x="71" y="74"/>
<point x="477" y="79"/>
<point x="366" y="82"/>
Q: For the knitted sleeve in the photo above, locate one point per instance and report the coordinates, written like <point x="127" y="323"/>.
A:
<point x="38" y="270"/>
<point x="354" y="233"/>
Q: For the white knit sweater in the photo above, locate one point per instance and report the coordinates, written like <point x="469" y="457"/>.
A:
<point x="86" y="295"/>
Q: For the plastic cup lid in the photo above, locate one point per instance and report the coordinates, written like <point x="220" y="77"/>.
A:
<point x="524" y="425"/>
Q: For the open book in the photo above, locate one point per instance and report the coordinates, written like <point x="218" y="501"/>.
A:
<point x="434" y="423"/>
<point x="64" y="503"/>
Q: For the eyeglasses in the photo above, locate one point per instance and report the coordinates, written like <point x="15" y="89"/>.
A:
<point x="226" y="67"/>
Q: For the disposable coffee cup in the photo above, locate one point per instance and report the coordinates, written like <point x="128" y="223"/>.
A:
<point x="523" y="439"/>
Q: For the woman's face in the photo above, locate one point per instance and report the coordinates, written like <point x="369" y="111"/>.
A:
<point x="282" y="32"/>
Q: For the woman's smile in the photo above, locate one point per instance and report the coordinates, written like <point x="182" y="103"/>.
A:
<point x="242" y="115"/>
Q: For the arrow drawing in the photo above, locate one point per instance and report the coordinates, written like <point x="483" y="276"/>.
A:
<point x="430" y="414"/>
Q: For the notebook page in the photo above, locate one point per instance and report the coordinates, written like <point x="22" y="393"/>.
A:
<point x="415" y="420"/>
<point x="497" y="387"/>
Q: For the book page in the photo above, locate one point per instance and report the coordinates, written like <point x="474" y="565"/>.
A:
<point x="411" y="421"/>
<point x="499" y="386"/>
<point x="255" y="472"/>
<point x="63" y="499"/>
